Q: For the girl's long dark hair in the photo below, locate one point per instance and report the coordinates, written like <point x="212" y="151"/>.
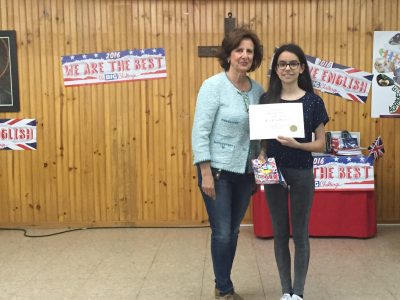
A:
<point x="273" y="94"/>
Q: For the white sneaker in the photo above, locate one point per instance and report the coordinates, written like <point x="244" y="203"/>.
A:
<point x="295" y="297"/>
<point x="286" y="297"/>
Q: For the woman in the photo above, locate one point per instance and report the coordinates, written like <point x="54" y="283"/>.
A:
<point x="222" y="150"/>
<point x="290" y="82"/>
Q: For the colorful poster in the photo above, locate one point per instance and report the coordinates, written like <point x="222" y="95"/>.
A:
<point x="386" y="68"/>
<point x="339" y="80"/>
<point x="17" y="134"/>
<point x="344" y="173"/>
<point x="118" y="66"/>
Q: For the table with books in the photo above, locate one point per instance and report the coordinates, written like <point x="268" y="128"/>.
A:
<point x="344" y="201"/>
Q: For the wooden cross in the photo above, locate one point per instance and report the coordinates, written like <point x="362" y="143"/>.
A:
<point x="211" y="51"/>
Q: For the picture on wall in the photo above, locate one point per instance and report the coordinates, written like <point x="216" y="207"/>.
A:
<point x="9" y="94"/>
<point x="386" y="68"/>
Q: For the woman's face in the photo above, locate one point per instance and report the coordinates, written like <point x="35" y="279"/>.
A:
<point x="241" y="58"/>
<point x="289" y="67"/>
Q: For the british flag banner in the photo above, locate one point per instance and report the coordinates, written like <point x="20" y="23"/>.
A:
<point x="350" y="173"/>
<point x="17" y="134"/>
<point x="117" y="66"/>
<point x="339" y="80"/>
<point x="376" y="148"/>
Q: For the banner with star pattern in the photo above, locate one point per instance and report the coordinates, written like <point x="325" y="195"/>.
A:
<point x="117" y="66"/>
<point x="350" y="173"/>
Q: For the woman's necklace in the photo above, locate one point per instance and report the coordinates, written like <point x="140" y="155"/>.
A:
<point x="245" y="97"/>
<point x="242" y="92"/>
<point x="243" y="87"/>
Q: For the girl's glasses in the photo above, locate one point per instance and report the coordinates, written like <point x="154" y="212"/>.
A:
<point x="293" y="65"/>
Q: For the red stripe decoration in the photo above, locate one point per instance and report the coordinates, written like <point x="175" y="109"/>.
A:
<point x="350" y="71"/>
<point x="13" y="121"/>
<point x="354" y="98"/>
<point x="24" y="147"/>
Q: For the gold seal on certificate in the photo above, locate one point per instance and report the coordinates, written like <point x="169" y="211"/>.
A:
<point x="293" y="128"/>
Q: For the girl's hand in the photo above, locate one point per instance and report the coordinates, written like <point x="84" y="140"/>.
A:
<point x="288" y="141"/>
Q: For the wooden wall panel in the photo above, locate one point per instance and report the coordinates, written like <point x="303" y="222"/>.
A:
<point x="120" y="154"/>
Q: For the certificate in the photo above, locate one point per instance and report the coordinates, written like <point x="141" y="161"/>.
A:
<point x="268" y="121"/>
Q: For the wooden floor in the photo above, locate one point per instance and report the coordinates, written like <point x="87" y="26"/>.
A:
<point x="175" y="264"/>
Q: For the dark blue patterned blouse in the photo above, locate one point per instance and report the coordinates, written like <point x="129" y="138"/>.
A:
<point x="314" y="114"/>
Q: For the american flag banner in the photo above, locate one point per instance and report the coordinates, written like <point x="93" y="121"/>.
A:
<point x="350" y="173"/>
<point x="376" y="148"/>
<point x="117" y="66"/>
<point x="17" y="134"/>
<point x="339" y="80"/>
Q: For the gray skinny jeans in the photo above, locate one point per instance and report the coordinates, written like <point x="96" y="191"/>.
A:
<point x="301" y="191"/>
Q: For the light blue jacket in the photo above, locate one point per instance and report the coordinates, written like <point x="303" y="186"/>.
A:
<point x="221" y="132"/>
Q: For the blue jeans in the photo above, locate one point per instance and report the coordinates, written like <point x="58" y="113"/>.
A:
<point x="225" y="213"/>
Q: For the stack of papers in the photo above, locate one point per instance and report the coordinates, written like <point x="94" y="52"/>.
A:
<point x="356" y="151"/>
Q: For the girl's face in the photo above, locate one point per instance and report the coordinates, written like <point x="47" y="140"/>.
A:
<point x="289" y="67"/>
<point x="241" y="58"/>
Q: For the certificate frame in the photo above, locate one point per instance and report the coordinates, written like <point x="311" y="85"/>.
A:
<point x="9" y="85"/>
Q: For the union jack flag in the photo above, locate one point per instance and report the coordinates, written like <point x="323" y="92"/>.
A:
<point x="376" y="148"/>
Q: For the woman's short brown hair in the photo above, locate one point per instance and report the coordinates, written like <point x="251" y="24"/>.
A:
<point x="233" y="40"/>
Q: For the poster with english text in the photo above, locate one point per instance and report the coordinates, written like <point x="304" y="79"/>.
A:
<point x="117" y="66"/>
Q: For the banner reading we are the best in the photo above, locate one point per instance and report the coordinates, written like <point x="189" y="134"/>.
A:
<point x="344" y="173"/>
<point x="117" y="66"/>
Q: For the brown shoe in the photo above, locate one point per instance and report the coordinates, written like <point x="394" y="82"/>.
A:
<point x="231" y="296"/>
<point x="237" y="297"/>
<point x="225" y="297"/>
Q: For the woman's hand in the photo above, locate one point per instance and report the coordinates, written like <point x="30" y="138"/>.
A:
<point x="207" y="185"/>
<point x="207" y="180"/>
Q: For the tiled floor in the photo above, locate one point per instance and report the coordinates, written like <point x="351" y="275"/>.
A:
<point x="175" y="264"/>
